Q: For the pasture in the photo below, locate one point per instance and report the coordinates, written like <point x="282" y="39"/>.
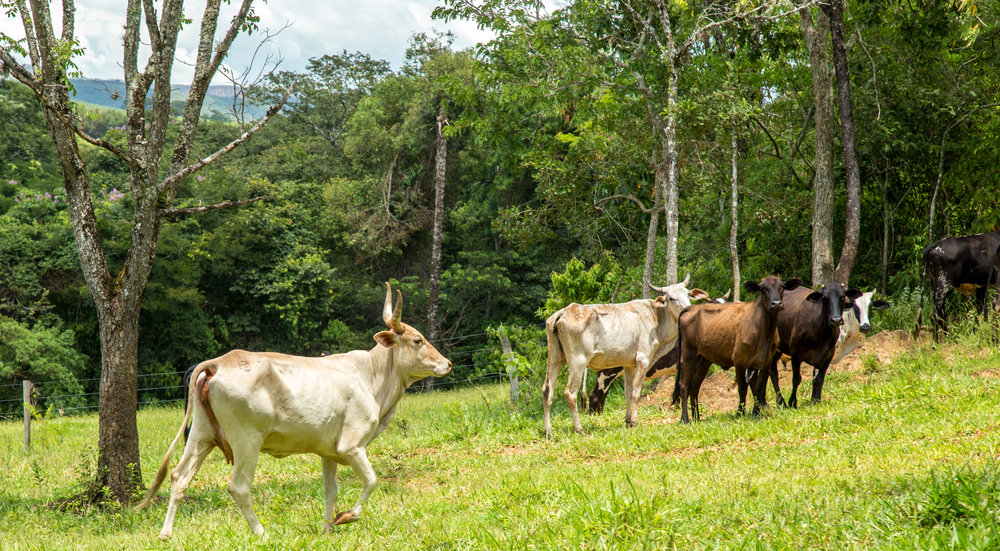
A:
<point x="900" y="456"/>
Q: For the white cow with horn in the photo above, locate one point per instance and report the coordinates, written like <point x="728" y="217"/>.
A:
<point x="600" y="336"/>
<point x="246" y="403"/>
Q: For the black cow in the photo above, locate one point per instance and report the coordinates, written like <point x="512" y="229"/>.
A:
<point x="956" y="261"/>
<point x="808" y="330"/>
<point x="662" y="367"/>
<point x="995" y="278"/>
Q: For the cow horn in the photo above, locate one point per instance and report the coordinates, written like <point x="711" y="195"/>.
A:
<point x="660" y="290"/>
<point x="387" y="310"/>
<point x="397" y="325"/>
<point x="687" y="279"/>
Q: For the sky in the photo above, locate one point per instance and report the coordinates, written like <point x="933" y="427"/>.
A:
<point x="379" y="28"/>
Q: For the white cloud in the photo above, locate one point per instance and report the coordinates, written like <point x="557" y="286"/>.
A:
<point x="379" y="28"/>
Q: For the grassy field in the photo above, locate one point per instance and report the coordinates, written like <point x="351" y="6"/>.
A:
<point x="903" y="456"/>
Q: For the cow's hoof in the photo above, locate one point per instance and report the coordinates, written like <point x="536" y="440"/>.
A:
<point x="165" y="535"/>
<point x="345" y="517"/>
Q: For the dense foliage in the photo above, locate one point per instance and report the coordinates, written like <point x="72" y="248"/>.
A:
<point x="548" y="187"/>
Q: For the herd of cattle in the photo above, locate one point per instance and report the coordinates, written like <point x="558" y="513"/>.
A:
<point x="333" y="406"/>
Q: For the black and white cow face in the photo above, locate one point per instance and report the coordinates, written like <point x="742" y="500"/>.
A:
<point x="863" y="304"/>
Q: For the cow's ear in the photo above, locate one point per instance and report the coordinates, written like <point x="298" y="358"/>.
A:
<point x="793" y="283"/>
<point x="660" y="301"/>
<point x="815" y="296"/>
<point x="881" y="304"/>
<point x="698" y="294"/>
<point x="854" y="294"/>
<point x="751" y="286"/>
<point x="385" y="338"/>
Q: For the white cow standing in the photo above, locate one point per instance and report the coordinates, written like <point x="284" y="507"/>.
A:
<point x="334" y="406"/>
<point x="600" y="336"/>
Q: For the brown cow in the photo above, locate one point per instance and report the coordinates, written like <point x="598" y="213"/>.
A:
<point x="740" y="334"/>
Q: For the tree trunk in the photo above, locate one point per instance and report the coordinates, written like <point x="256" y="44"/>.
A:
<point x="118" y="300"/>
<point x="671" y="195"/>
<point x="822" y="219"/>
<point x="659" y="184"/>
<point x="440" y="166"/>
<point x="835" y="11"/>
<point x="733" y="229"/>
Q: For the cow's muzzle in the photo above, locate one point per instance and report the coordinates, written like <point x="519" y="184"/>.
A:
<point x="776" y="306"/>
<point x="836" y="322"/>
<point x="866" y="328"/>
<point x="442" y="370"/>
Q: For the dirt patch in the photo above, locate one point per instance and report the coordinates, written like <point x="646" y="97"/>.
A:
<point x="718" y="391"/>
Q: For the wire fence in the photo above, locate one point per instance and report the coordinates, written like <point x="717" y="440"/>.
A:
<point x="161" y="392"/>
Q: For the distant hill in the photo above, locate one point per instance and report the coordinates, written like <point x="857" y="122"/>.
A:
<point x="111" y="93"/>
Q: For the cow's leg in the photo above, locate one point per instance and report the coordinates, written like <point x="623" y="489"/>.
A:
<point x="940" y="317"/>
<point x="819" y="375"/>
<point x="329" y="492"/>
<point x="556" y="359"/>
<point x="793" y="400"/>
<point x="358" y="460"/>
<point x="195" y="452"/>
<point x="741" y="389"/>
<point x="773" y="373"/>
<point x="601" y="388"/>
<point x="573" y="381"/>
<point x="633" y="390"/>
<point x="701" y="366"/>
<point x="760" y="389"/>
<point x="246" y="452"/>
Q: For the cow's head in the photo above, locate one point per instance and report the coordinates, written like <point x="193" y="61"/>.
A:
<point x="834" y="299"/>
<point x="677" y="296"/>
<point x="863" y="304"/>
<point x="772" y="291"/>
<point x="414" y="354"/>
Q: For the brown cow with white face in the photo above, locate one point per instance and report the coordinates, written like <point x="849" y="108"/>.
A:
<point x="246" y="403"/>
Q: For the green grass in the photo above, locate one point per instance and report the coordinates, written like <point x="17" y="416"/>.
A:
<point x="904" y="457"/>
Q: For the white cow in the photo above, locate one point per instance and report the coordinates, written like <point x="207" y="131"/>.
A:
<point x="600" y="336"/>
<point x="334" y="406"/>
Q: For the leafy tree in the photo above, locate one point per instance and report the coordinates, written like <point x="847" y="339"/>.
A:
<point x="118" y="299"/>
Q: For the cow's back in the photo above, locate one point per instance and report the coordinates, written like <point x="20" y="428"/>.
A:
<point x="295" y="404"/>
<point x="713" y="329"/>
<point x="607" y="335"/>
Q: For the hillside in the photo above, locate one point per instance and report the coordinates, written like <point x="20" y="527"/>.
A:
<point x="110" y="93"/>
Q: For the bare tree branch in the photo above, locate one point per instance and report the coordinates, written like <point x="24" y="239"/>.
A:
<point x="172" y="213"/>
<point x="644" y="208"/>
<point x="172" y="180"/>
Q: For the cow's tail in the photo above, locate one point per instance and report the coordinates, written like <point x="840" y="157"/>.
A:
<point x="555" y="352"/>
<point x="165" y="466"/>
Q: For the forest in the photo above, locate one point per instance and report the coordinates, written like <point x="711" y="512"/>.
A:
<point x="558" y="168"/>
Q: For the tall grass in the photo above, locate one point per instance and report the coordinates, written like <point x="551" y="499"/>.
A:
<point x="902" y="457"/>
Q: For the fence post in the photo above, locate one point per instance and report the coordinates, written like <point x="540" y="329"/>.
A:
<point x="27" y="415"/>
<point x="515" y="387"/>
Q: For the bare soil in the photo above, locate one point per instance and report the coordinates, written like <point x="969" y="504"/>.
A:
<point x="718" y="391"/>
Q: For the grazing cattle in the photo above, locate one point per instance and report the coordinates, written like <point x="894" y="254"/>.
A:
<point x="740" y="334"/>
<point x="856" y="324"/>
<point x="995" y="278"/>
<point x="247" y="403"/>
<point x="599" y="336"/>
<point x="662" y="367"/>
<point x="954" y="261"/>
<point x="808" y="331"/>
